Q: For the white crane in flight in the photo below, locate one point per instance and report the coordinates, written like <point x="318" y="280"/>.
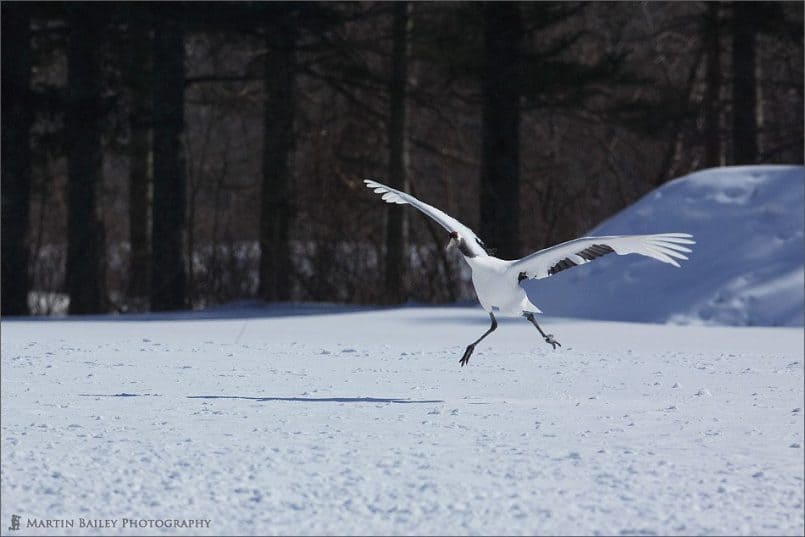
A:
<point x="497" y="281"/>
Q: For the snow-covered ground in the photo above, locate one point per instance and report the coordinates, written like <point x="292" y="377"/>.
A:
<point x="745" y="270"/>
<point x="362" y="422"/>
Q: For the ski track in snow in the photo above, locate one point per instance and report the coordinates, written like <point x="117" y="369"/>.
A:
<point x="363" y="423"/>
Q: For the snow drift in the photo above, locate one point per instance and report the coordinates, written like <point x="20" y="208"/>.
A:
<point x="745" y="270"/>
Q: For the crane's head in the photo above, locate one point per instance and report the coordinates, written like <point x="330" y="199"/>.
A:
<point x="455" y="240"/>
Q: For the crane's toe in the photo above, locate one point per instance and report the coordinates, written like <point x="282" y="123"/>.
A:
<point x="551" y="341"/>
<point x="467" y="353"/>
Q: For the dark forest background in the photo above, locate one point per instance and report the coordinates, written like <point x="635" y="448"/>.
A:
<point x="159" y="156"/>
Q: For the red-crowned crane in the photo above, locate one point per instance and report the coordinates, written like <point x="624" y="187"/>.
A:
<point x="497" y="281"/>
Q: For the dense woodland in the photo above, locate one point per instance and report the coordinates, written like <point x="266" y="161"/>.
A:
<point x="159" y="156"/>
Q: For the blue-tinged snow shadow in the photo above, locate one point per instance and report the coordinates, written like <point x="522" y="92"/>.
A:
<point x="320" y="399"/>
<point x="242" y="309"/>
<point x="245" y="309"/>
<point x="123" y="394"/>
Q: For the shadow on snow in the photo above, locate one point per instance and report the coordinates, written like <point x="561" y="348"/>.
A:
<point x="243" y="309"/>
<point x="123" y="394"/>
<point x="319" y="399"/>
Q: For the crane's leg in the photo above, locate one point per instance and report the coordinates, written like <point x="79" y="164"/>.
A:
<point x="471" y="346"/>
<point x="548" y="337"/>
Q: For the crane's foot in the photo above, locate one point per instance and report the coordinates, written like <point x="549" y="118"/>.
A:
<point x="551" y="341"/>
<point x="467" y="353"/>
<point x="548" y="337"/>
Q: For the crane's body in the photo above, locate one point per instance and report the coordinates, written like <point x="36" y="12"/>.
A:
<point x="497" y="282"/>
<point x="498" y="289"/>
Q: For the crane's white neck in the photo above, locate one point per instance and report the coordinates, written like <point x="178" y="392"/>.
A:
<point x="461" y="244"/>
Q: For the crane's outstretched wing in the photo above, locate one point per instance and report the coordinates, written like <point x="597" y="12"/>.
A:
<point x="665" y="247"/>
<point x="449" y="223"/>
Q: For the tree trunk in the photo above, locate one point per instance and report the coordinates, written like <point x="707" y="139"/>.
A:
<point x="16" y="157"/>
<point x="500" y="128"/>
<point x="712" y="96"/>
<point x="139" y="153"/>
<point x="83" y="125"/>
<point x="168" y="280"/>
<point x="744" y="99"/>
<point x="277" y="205"/>
<point x="395" y="239"/>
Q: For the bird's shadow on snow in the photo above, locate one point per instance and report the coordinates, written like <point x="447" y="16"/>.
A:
<point x="123" y="394"/>
<point x="320" y="399"/>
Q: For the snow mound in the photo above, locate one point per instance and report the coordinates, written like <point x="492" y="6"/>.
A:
<point x="745" y="270"/>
